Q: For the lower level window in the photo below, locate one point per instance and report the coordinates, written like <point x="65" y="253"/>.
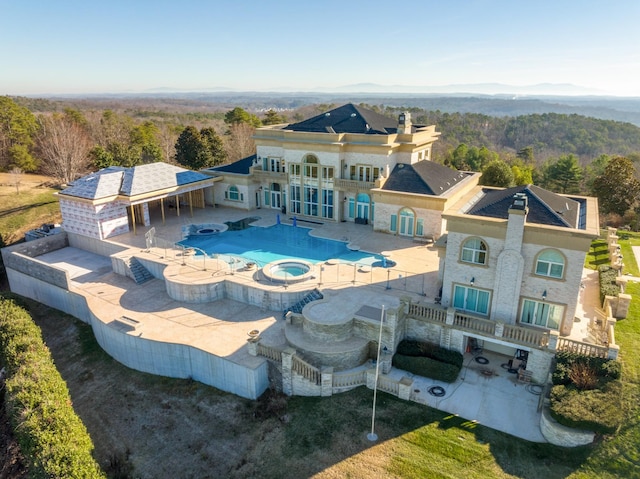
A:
<point x="542" y="314"/>
<point x="471" y="299"/>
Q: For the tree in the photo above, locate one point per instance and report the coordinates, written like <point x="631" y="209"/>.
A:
<point x="526" y="155"/>
<point x="563" y="176"/>
<point x="144" y="140"/>
<point x="18" y="127"/>
<point x="522" y="174"/>
<point x="271" y="117"/>
<point x="239" y="141"/>
<point x="617" y="188"/>
<point x="199" y="149"/>
<point x="238" y="115"/>
<point x="64" y="147"/>
<point x="497" y="173"/>
<point x="16" y="178"/>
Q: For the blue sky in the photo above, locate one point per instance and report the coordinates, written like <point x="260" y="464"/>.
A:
<point x="64" y="46"/>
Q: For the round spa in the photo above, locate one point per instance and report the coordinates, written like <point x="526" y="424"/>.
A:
<point x="288" y="271"/>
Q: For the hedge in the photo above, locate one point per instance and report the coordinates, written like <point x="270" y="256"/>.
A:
<point x="597" y="409"/>
<point x="51" y="436"/>
<point x="607" y="277"/>
<point x="428" y="360"/>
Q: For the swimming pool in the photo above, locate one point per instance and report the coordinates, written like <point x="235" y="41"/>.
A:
<point x="275" y="243"/>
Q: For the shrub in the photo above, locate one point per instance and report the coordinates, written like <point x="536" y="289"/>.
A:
<point x="427" y="367"/>
<point x="598" y="410"/>
<point x="51" y="436"/>
<point x="608" y="286"/>
<point x="568" y="363"/>
<point x="584" y="376"/>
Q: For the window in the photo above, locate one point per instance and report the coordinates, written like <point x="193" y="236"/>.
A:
<point x="295" y="199"/>
<point x="294" y="169"/>
<point x="394" y="223"/>
<point x="310" y="169"/>
<point x="471" y="299"/>
<point x="539" y="313"/>
<point x="233" y="194"/>
<point x="310" y="201"/>
<point x="474" y="250"/>
<point x="327" y="203"/>
<point x="327" y="173"/>
<point x="276" y="165"/>
<point x="419" y="227"/>
<point x="550" y="263"/>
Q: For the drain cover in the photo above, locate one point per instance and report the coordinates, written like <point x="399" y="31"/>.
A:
<point x="482" y="360"/>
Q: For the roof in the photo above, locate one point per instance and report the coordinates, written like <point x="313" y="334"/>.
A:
<point x="117" y="180"/>
<point x="348" y="118"/>
<point x="544" y="207"/>
<point x="424" y="178"/>
<point x="240" y="167"/>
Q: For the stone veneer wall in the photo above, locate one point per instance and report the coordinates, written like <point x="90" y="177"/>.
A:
<point x="563" y="436"/>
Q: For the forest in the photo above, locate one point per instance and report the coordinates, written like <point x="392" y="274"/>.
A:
<point x="565" y="153"/>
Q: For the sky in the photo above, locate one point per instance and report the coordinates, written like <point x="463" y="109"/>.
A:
<point x="87" y="46"/>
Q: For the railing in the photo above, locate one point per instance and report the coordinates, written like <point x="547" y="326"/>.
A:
<point x="527" y="336"/>
<point x="437" y="314"/>
<point x="349" y="380"/>
<point x="388" y="385"/>
<point x="352" y="185"/>
<point x="269" y="352"/>
<point x="474" y="324"/>
<point x="586" y="349"/>
<point x="259" y="173"/>
<point x="305" y="370"/>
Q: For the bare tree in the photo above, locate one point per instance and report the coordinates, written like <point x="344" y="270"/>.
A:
<point x="64" y="148"/>
<point x="239" y="141"/>
<point x="16" y="177"/>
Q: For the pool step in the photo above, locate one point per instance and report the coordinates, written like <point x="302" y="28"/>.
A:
<point x="297" y="308"/>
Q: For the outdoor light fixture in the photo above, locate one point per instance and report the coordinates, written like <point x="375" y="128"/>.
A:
<point x="544" y="295"/>
<point x="473" y="280"/>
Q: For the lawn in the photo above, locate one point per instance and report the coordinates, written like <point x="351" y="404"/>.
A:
<point x="26" y="208"/>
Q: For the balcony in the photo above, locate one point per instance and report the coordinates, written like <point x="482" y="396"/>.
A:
<point x="272" y="176"/>
<point x="352" y="185"/>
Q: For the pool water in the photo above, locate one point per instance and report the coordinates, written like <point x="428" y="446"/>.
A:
<point x="277" y="242"/>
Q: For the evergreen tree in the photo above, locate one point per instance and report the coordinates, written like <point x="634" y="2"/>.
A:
<point x="617" y="188"/>
<point x="563" y="175"/>
<point x="497" y="173"/>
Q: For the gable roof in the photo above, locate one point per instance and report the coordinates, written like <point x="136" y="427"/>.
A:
<point x="544" y="207"/>
<point x="117" y="180"/>
<point x="424" y="177"/>
<point x="348" y="118"/>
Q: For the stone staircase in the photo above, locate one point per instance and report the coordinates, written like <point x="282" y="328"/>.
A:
<point x="297" y="308"/>
<point x="139" y="273"/>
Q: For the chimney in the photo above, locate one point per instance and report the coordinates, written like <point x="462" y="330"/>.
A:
<point x="404" y="123"/>
<point x="517" y="219"/>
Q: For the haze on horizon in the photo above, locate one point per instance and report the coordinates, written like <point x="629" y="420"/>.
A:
<point x="69" y="47"/>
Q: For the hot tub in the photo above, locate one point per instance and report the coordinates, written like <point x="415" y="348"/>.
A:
<point x="288" y="271"/>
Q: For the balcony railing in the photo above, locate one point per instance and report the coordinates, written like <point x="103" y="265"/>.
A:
<point x="276" y="176"/>
<point x="352" y="185"/>
<point x="521" y="335"/>
<point x="472" y="323"/>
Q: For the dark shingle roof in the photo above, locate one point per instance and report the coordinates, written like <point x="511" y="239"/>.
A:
<point x="545" y="207"/>
<point x="348" y="118"/>
<point x="241" y="166"/>
<point x="424" y="178"/>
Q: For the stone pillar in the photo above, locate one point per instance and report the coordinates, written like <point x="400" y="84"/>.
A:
<point x="404" y="388"/>
<point x="622" y="309"/>
<point x="326" y="382"/>
<point x="451" y="313"/>
<point x="553" y="340"/>
<point x="499" y="331"/>
<point x="539" y="363"/>
<point x="287" y="373"/>
<point x="253" y="346"/>
<point x="386" y="358"/>
<point x="371" y="378"/>
<point x="613" y="351"/>
<point x="445" y="338"/>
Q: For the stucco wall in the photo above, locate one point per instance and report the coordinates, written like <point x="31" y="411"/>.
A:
<point x="432" y="219"/>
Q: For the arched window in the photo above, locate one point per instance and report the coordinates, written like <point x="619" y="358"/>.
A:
<point x="550" y="263"/>
<point x="233" y="194"/>
<point x="474" y="250"/>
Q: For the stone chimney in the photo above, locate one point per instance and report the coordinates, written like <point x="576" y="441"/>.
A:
<point x="404" y="123"/>
<point x="517" y="218"/>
